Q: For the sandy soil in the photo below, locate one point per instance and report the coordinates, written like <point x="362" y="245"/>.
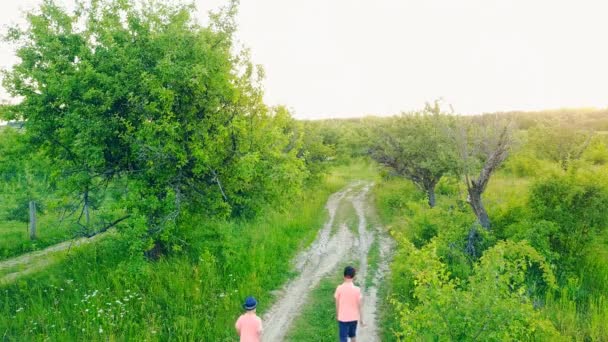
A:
<point x="323" y="256"/>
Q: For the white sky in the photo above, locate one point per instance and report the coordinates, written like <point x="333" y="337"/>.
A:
<point x="338" y="58"/>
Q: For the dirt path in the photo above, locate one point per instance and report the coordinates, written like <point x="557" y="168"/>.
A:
<point x="323" y="257"/>
<point x="13" y="269"/>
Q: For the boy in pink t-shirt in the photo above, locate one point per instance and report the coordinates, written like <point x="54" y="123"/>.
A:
<point x="249" y="325"/>
<point x="348" y="306"/>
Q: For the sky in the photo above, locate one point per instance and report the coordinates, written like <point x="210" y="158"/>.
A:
<point x="345" y="58"/>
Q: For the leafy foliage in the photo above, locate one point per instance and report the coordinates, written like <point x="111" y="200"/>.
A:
<point x="142" y="94"/>
<point x="560" y="143"/>
<point x="573" y="207"/>
<point x="416" y="146"/>
<point x="491" y="305"/>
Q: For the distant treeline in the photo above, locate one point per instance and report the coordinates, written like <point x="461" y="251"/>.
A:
<point x="584" y="118"/>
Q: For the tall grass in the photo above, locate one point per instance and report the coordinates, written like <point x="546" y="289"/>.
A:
<point x="100" y="293"/>
<point x="15" y="239"/>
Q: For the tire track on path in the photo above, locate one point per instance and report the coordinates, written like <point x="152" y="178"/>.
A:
<point x="323" y="257"/>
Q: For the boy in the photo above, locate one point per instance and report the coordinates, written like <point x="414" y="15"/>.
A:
<point x="348" y="306"/>
<point x="249" y="325"/>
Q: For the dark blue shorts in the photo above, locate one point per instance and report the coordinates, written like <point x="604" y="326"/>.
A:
<point x="347" y="329"/>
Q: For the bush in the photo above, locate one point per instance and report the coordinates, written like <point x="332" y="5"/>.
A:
<point x="448" y="186"/>
<point x="491" y="305"/>
<point x="576" y="204"/>
<point x="597" y="153"/>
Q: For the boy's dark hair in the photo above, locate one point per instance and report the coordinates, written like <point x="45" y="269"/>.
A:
<point x="349" y="272"/>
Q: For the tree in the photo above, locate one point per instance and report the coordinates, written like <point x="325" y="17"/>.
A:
<point x="483" y="145"/>
<point x="416" y="146"/>
<point x="141" y="93"/>
<point x="315" y="150"/>
<point x="23" y="175"/>
<point x="560" y="143"/>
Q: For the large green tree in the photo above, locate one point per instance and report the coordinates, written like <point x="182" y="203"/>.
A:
<point x="562" y="143"/>
<point x="139" y="91"/>
<point x="416" y="146"/>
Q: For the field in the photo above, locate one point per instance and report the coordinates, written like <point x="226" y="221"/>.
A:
<point x="167" y="191"/>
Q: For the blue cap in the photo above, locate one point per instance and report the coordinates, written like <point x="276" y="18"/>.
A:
<point x="250" y="303"/>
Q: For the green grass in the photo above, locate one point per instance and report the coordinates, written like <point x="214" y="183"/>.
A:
<point x="373" y="260"/>
<point x="346" y="214"/>
<point x="15" y="240"/>
<point x="100" y="294"/>
<point x="317" y="321"/>
<point x="579" y="311"/>
<point x="358" y="169"/>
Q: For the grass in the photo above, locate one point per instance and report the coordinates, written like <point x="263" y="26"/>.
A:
<point x="575" y="316"/>
<point x="100" y="294"/>
<point x="318" y="319"/>
<point x="373" y="260"/>
<point x="14" y="236"/>
<point x="346" y="214"/>
<point x="51" y="228"/>
<point x="358" y="169"/>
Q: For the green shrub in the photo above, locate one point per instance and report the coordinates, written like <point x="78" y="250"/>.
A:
<point x="491" y="305"/>
<point x="448" y="186"/>
<point x="597" y="153"/>
<point x="576" y="203"/>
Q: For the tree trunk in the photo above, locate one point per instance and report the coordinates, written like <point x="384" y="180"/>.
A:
<point x="87" y="216"/>
<point x="431" y="196"/>
<point x="32" y="229"/>
<point x="471" y="240"/>
<point x="478" y="208"/>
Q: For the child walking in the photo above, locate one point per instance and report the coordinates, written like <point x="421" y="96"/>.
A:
<point x="348" y="306"/>
<point x="249" y="325"/>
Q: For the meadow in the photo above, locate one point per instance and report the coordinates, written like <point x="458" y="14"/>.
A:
<point x="99" y="293"/>
<point x="143" y="124"/>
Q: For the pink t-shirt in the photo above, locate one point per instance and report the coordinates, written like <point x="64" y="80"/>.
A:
<point x="249" y="327"/>
<point x="348" y="297"/>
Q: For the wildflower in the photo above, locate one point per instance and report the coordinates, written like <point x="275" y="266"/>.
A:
<point x="100" y="330"/>
<point x="20" y="309"/>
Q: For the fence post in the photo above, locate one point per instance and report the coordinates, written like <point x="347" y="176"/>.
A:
<point x="32" y="220"/>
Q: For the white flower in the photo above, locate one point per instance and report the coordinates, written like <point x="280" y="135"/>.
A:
<point x="100" y="330"/>
<point x="20" y="309"/>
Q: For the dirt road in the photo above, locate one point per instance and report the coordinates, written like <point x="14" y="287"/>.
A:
<point x="323" y="257"/>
